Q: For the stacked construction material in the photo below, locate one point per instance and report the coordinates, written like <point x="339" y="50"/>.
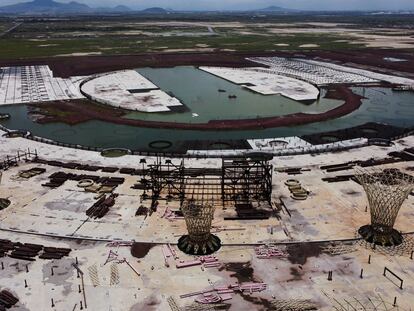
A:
<point x="297" y="191"/>
<point x="290" y="171"/>
<point x="7" y="300"/>
<point x="208" y="261"/>
<point x="246" y="211"/>
<point x="56" y="180"/>
<point x="338" y="167"/>
<point x="269" y="251"/>
<point x="395" y="157"/>
<point x="77" y="166"/>
<point x="5" y="247"/>
<point x="109" y="169"/>
<point x="168" y="252"/>
<point x="28" y="251"/>
<point x="294" y="305"/>
<point x="54" y="253"/>
<point x="127" y="170"/>
<point x="106" y="184"/>
<point x="86" y="167"/>
<point x="223" y="293"/>
<point x="101" y="207"/>
<point x="338" y="178"/>
<point x="143" y="184"/>
<point x="32" y="172"/>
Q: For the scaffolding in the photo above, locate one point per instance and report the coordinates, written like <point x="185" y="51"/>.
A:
<point x="239" y="181"/>
<point x="10" y="161"/>
<point x="246" y="180"/>
<point x="167" y="178"/>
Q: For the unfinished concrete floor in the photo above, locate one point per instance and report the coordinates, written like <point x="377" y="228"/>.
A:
<point x="317" y="237"/>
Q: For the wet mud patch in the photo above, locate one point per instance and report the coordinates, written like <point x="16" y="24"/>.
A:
<point x="149" y="304"/>
<point x="258" y="302"/>
<point x="62" y="272"/>
<point x="242" y="271"/>
<point x="140" y="250"/>
<point x="299" y="253"/>
<point x="12" y="267"/>
<point x="296" y="274"/>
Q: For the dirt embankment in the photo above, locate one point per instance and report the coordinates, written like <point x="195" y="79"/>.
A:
<point x="87" y="65"/>
<point x="72" y="109"/>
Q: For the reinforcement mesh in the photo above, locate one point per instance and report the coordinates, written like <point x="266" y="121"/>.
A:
<point x="386" y="191"/>
<point x="198" y="218"/>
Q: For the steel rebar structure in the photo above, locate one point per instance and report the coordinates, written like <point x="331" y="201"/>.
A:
<point x="245" y="180"/>
<point x="198" y="218"/>
<point x="386" y="191"/>
<point x="167" y="177"/>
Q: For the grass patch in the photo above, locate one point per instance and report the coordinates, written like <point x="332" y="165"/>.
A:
<point x="140" y="34"/>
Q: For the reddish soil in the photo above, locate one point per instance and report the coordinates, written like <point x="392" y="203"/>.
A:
<point x="86" y="65"/>
<point x="68" y="111"/>
<point x="102" y="113"/>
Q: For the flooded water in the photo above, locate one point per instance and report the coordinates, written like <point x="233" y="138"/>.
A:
<point x="207" y="98"/>
<point x="382" y="105"/>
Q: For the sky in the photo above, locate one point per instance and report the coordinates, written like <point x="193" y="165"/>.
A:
<point x="248" y="4"/>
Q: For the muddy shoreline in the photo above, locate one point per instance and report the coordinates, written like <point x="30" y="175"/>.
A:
<point x="78" y="111"/>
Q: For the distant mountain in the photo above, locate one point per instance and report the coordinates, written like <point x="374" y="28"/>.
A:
<point x="45" y="6"/>
<point x="274" y="9"/>
<point x="121" y="8"/>
<point x="52" y="7"/>
<point x="155" y="10"/>
<point x="117" y="9"/>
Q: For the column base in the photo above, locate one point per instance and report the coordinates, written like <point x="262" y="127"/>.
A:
<point x="207" y="247"/>
<point x="392" y="238"/>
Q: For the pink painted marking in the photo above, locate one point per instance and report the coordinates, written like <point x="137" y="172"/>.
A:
<point x="185" y="264"/>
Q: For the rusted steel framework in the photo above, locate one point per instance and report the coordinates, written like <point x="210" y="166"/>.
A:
<point x="239" y="181"/>
<point x="168" y="178"/>
<point x="246" y="180"/>
<point x="198" y="217"/>
<point x="386" y="191"/>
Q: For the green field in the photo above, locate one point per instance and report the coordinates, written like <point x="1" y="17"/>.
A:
<point x="113" y="36"/>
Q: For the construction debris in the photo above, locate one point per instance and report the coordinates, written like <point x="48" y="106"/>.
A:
<point x="269" y="251"/>
<point x="222" y="293"/>
<point x="196" y="306"/>
<point x="28" y="252"/>
<point x="32" y="172"/>
<point x="7" y="300"/>
<point x="206" y="261"/>
<point x="91" y="183"/>
<point x="101" y="207"/>
<point x="296" y="189"/>
<point x="293" y="305"/>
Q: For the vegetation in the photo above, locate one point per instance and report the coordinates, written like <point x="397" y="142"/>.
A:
<point x="43" y="37"/>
